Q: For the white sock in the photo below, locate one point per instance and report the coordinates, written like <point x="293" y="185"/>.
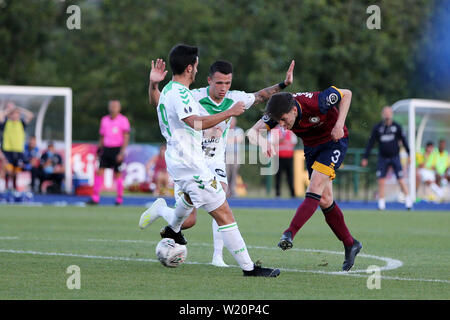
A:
<point x="217" y="237"/>
<point x="381" y="203"/>
<point x="408" y="201"/>
<point x="175" y="217"/>
<point x="233" y="241"/>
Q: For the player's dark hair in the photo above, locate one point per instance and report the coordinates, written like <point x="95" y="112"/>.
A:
<point x="221" y="66"/>
<point x="429" y="143"/>
<point x="279" y="104"/>
<point x="181" y="56"/>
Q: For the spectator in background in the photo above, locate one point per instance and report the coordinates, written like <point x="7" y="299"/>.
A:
<point x="388" y="134"/>
<point x="31" y="160"/>
<point x="425" y="170"/>
<point x="441" y="162"/>
<point x="13" y="121"/>
<point x="114" y="137"/>
<point x="51" y="168"/>
<point x="286" y="144"/>
<point x="157" y="171"/>
<point x="2" y="168"/>
<point x="234" y="138"/>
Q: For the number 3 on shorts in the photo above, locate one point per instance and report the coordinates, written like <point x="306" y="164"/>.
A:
<point x="336" y="155"/>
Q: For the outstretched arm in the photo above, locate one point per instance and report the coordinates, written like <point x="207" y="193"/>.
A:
<point x="206" y="122"/>
<point x="256" y="138"/>
<point x="157" y="74"/>
<point x="264" y="94"/>
<point x="6" y="111"/>
<point x="27" y="113"/>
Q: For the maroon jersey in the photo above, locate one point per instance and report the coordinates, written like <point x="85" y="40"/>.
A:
<point x="317" y="116"/>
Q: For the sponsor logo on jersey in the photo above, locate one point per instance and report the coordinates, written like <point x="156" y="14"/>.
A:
<point x="332" y="99"/>
<point x="387" y="137"/>
<point x="214" y="183"/>
<point x="209" y="151"/>
<point x="220" y="173"/>
<point x="306" y="94"/>
<point x="210" y="140"/>
<point x="314" y="120"/>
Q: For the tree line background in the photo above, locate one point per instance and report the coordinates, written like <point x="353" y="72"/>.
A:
<point x="109" y="57"/>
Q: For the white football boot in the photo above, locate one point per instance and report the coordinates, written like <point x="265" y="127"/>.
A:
<point x="151" y="214"/>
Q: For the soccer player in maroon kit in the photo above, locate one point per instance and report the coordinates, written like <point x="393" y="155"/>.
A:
<point x="318" y="118"/>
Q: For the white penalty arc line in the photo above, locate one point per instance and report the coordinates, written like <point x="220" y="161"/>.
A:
<point x="391" y="264"/>
<point x="60" y="254"/>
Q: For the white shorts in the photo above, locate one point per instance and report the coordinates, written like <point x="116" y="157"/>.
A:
<point x="205" y="191"/>
<point x="427" y="175"/>
<point x="219" y="170"/>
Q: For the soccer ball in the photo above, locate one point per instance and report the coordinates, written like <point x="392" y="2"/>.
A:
<point x="171" y="254"/>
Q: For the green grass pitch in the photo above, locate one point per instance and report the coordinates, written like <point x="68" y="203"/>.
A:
<point x="117" y="260"/>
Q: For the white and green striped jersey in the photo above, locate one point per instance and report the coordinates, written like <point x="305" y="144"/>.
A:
<point x="184" y="155"/>
<point x="215" y="139"/>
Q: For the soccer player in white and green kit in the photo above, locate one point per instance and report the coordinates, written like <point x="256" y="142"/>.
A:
<point x="181" y="125"/>
<point x="216" y="98"/>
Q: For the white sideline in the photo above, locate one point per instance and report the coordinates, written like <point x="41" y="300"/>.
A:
<point x="391" y="264"/>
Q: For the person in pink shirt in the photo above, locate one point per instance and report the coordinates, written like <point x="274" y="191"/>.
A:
<point x="114" y="137"/>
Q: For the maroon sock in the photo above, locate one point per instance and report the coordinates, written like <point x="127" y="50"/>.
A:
<point x="304" y="212"/>
<point x="335" y="219"/>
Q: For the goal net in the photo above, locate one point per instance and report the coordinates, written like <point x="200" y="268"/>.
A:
<point x="52" y="121"/>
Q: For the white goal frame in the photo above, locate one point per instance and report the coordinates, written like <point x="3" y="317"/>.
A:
<point x="50" y="91"/>
<point x="411" y="106"/>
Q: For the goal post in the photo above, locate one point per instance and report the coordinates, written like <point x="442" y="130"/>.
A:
<point x="425" y="120"/>
<point x="45" y="101"/>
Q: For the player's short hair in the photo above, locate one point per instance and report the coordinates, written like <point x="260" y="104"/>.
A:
<point x="221" y="66"/>
<point x="279" y="104"/>
<point x="429" y="144"/>
<point x="181" y="56"/>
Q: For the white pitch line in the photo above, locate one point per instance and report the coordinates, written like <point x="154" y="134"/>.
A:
<point x="202" y="263"/>
<point x="391" y="264"/>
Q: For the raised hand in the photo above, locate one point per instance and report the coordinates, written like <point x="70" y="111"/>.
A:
<point x="290" y="74"/>
<point x="158" y="71"/>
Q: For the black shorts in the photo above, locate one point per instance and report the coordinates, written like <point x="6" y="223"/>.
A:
<point x="385" y="163"/>
<point x="15" y="159"/>
<point x="327" y="157"/>
<point x="108" y="158"/>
